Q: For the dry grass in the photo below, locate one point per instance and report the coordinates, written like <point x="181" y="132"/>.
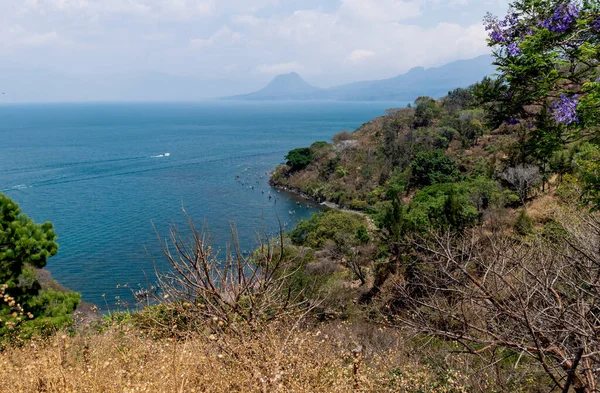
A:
<point x="308" y="360"/>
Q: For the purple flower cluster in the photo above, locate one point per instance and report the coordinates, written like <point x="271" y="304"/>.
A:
<point x="596" y="24"/>
<point x="562" y="19"/>
<point x="504" y="32"/>
<point x="565" y="110"/>
<point x="514" y="49"/>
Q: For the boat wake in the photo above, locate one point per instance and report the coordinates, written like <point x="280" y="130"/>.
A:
<point x="161" y="155"/>
<point x="17" y="187"/>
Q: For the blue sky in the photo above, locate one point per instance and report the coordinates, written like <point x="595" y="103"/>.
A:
<point x="328" y="42"/>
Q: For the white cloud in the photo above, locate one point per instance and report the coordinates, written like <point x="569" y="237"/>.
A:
<point x="337" y="41"/>
<point x="247" y="20"/>
<point x="360" y="55"/>
<point x="35" y="39"/>
<point x="281" y="68"/>
<point x="223" y="37"/>
<point x="184" y="9"/>
<point x="381" y="10"/>
<point x="16" y="36"/>
<point x="333" y="43"/>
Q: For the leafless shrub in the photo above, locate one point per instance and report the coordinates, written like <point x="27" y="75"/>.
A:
<point x="347" y="253"/>
<point x="539" y="300"/>
<point x="522" y="178"/>
<point x="342" y="136"/>
<point x="393" y="111"/>
<point x="345" y="146"/>
<point x="237" y="291"/>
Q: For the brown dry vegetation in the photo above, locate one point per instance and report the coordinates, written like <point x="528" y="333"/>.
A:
<point x="325" y="359"/>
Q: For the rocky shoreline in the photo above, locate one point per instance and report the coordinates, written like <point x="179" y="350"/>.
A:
<point x="300" y="193"/>
<point x="325" y="204"/>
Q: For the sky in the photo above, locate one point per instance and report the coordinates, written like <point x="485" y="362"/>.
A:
<point x="241" y="43"/>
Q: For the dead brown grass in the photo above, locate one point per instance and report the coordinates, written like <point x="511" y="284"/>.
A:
<point x="123" y="360"/>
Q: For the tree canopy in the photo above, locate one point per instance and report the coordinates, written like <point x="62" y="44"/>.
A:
<point x="22" y="243"/>
<point x="25" y="309"/>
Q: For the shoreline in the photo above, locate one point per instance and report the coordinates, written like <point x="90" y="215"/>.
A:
<point x="325" y="204"/>
<point x="86" y="312"/>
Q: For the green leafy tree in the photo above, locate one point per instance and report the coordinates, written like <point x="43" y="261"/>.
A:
<point x="548" y="82"/>
<point x="471" y="126"/>
<point x="25" y="309"/>
<point x="433" y="167"/>
<point x="23" y="244"/>
<point x="299" y="158"/>
<point x="362" y="235"/>
<point x="547" y="53"/>
<point x="425" y="112"/>
<point x="331" y="225"/>
<point x="588" y="166"/>
<point x="458" y="99"/>
<point x="445" y="206"/>
<point x="523" y="224"/>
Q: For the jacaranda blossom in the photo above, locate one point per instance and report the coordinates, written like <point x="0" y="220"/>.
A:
<point x="562" y="19"/>
<point x="565" y="110"/>
<point x="596" y="24"/>
<point x="502" y="31"/>
<point x="513" y="49"/>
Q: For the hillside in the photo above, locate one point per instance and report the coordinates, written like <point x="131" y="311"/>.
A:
<point x="434" y="82"/>
<point x="355" y="168"/>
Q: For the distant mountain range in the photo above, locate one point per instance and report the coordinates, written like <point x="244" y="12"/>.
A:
<point x="434" y="82"/>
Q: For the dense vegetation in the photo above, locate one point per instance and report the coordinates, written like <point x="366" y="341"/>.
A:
<point x="484" y="201"/>
<point x="471" y="261"/>
<point x="26" y="309"/>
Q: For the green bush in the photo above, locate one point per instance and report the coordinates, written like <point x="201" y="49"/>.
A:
<point x="588" y="170"/>
<point x="54" y="310"/>
<point x="299" y="159"/>
<point x="324" y="226"/>
<point x="523" y="224"/>
<point x="433" y="167"/>
<point x="426" y="111"/>
<point x="25" y="310"/>
<point x="442" y="206"/>
<point x="362" y="235"/>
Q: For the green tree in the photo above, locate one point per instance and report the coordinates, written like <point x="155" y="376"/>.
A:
<point x="299" y="158"/>
<point x="25" y="309"/>
<point x="588" y="166"/>
<point x="433" y="167"/>
<point x="445" y="206"/>
<point x="547" y="54"/>
<point x="426" y="111"/>
<point x="362" y="235"/>
<point x="23" y="244"/>
<point x="331" y="225"/>
<point x="458" y="99"/>
<point x="548" y="84"/>
<point x="471" y="126"/>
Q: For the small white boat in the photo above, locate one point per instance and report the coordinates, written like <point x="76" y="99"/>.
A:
<point x="167" y="154"/>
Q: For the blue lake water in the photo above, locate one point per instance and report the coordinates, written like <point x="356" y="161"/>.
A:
<point x="99" y="172"/>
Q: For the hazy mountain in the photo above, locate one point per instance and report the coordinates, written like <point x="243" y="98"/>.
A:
<point x="284" y="87"/>
<point x="434" y="82"/>
<point x="29" y="84"/>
